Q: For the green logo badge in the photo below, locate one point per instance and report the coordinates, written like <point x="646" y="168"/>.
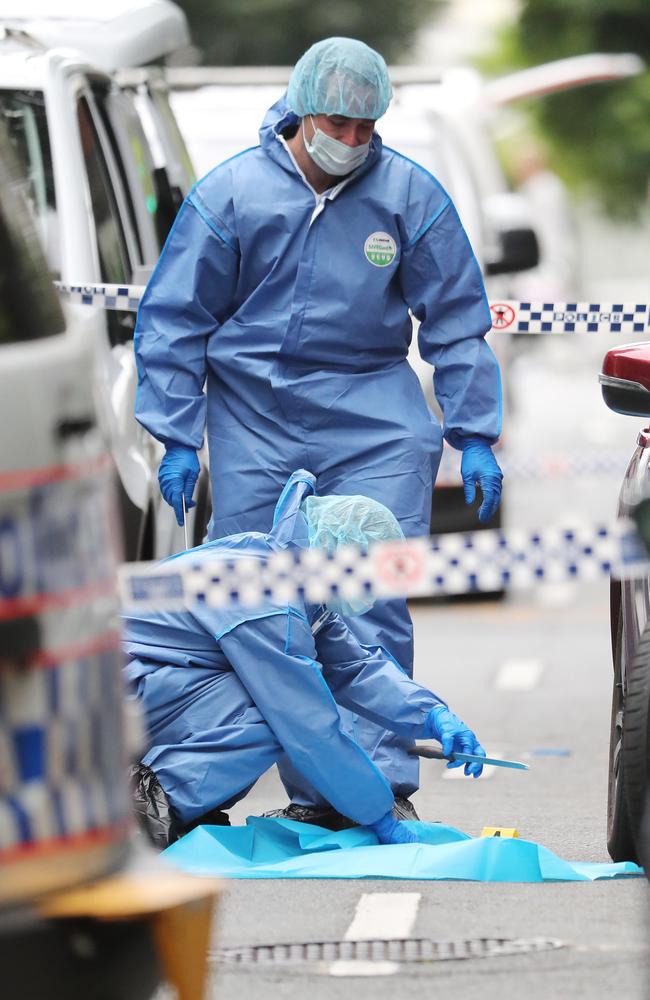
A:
<point x="380" y="249"/>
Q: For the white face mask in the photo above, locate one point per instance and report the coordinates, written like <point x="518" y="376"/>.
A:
<point x="331" y="155"/>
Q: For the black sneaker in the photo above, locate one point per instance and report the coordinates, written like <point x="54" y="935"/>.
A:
<point x="214" y="817"/>
<point x="317" y="816"/>
<point x="333" y="820"/>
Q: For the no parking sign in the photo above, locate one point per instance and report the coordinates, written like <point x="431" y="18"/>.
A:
<point x="400" y="568"/>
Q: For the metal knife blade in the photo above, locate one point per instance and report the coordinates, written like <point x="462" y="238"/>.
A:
<point x="466" y="758"/>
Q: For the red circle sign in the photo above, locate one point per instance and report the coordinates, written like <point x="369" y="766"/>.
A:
<point x="503" y="315"/>
<point x="400" y="565"/>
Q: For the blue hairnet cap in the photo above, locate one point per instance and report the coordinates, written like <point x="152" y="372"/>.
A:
<point x="348" y="520"/>
<point x="340" y="76"/>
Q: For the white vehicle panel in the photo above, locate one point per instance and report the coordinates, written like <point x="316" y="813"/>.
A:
<point x="124" y="33"/>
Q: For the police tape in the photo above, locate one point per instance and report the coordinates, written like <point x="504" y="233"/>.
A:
<point x="482" y="561"/>
<point x="125" y="298"/>
<point x="510" y="316"/>
<point x="540" y="466"/>
<point x="570" y="317"/>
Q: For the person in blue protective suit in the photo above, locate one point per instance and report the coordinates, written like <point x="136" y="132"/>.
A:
<point x="227" y="692"/>
<point x="286" y="289"/>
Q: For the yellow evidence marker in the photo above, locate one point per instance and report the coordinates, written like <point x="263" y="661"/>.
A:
<point x="499" y="831"/>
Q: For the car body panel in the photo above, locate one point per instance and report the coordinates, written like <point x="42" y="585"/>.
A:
<point x="625" y="380"/>
<point x="64" y="809"/>
<point x="630" y="362"/>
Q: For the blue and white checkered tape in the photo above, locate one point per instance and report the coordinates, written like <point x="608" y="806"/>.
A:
<point x="536" y="465"/>
<point x="571" y="317"/>
<point x="125" y="298"/>
<point x="446" y="564"/>
<point x="507" y="316"/>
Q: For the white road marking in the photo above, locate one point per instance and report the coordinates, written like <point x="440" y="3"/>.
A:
<point x="379" y="916"/>
<point x="364" y="968"/>
<point x="383" y="916"/>
<point x="518" y="675"/>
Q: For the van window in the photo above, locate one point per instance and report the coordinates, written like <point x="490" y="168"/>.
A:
<point x="182" y="171"/>
<point x="29" y="305"/>
<point x="111" y="241"/>
<point x="23" y="114"/>
<point x="112" y="247"/>
<point x="134" y="161"/>
<point x="173" y="172"/>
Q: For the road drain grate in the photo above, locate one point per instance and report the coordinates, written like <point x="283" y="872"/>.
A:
<point x="402" y="950"/>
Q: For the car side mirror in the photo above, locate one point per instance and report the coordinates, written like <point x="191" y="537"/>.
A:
<point x="519" y="252"/>
<point x="512" y="242"/>
<point x="625" y="379"/>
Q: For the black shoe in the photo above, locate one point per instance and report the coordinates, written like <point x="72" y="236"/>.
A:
<point x="333" y="820"/>
<point x="404" y="808"/>
<point x="318" y="816"/>
<point x="214" y="817"/>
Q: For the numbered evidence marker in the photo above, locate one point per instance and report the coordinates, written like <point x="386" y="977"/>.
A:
<point x="499" y="831"/>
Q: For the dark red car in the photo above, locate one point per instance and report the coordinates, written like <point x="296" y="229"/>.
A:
<point x="625" y="381"/>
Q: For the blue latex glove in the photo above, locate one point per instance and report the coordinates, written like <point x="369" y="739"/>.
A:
<point x="455" y="737"/>
<point x="393" y="831"/>
<point x="478" y="465"/>
<point x="177" y="475"/>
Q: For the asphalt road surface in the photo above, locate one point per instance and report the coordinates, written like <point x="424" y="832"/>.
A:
<point x="531" y="673"/>
<point x="528" y="677"/>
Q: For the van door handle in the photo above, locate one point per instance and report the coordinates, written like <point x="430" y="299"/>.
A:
<point x="74" y="427"/>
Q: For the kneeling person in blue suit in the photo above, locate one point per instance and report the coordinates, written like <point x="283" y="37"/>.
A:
<point x="228" y="692"/>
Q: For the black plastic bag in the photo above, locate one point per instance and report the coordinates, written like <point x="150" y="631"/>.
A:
<point x="152" y="809"/>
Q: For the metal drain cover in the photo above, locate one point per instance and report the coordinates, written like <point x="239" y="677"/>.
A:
<point x="400" y="950"/>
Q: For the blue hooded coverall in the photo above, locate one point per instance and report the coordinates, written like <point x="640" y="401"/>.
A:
<point x="227" y="692"/>
<point x="271" y="296"/>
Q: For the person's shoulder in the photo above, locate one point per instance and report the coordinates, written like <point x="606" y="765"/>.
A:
<point x="413" y="173"/>
<point x="224" y="174"/>
<point x="216" y="195"/>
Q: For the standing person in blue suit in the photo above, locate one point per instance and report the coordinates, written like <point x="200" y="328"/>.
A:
<point x="227" y="692"/>
<point x="286" y="289"/>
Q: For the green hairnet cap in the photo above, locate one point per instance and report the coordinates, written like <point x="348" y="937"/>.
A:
<point x="340" y="76"/>
<point x="348" y="520"/>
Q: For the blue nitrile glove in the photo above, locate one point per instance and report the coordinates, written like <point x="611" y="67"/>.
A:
<point x="478" y="465"/>
<point x="392" y="831"/>
<point x="177" y="475"/>
<point x="455" y="737"/>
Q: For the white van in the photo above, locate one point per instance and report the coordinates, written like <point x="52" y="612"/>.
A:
<point x="102" y="204"/>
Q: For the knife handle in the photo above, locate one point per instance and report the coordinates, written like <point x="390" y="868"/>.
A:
<point x="429" y="752"/>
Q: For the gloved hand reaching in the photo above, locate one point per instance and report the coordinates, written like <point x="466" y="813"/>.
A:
<point x="478" y="465"/>
<point x="177" y="476"/>
<point x="393" y="831"/>
<point x="455" y="737"/>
